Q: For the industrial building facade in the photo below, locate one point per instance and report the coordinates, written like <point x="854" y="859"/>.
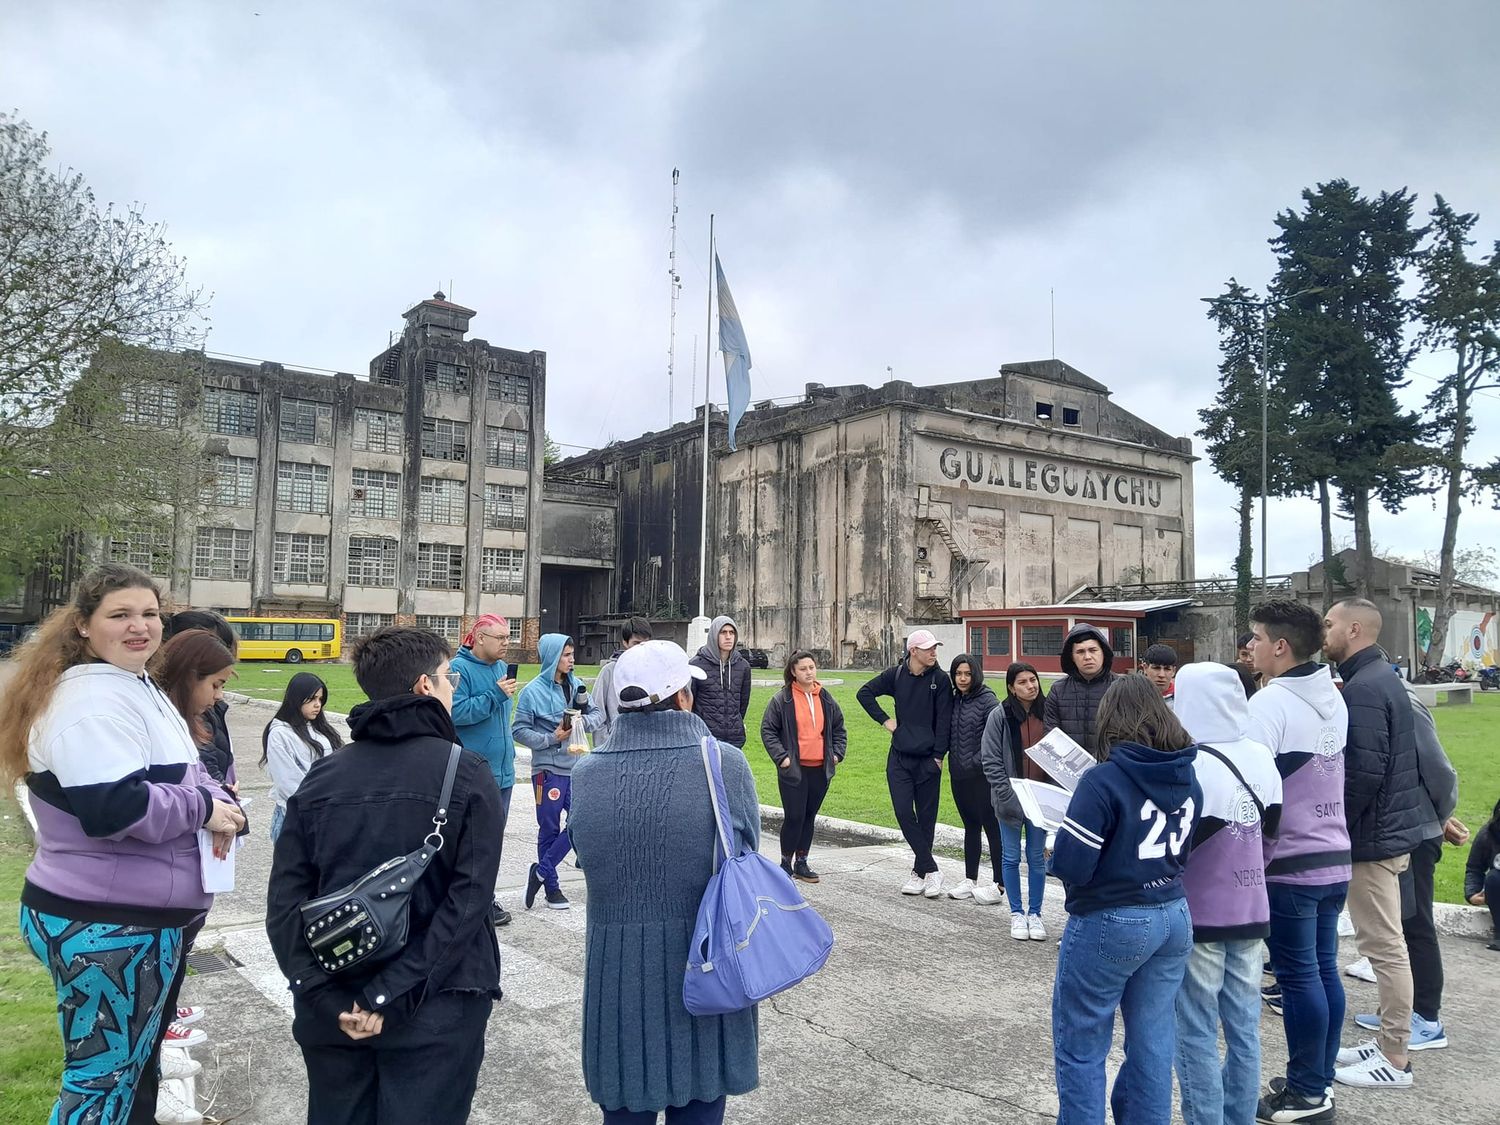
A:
<point x="847" y="518"/>
<point x="409" y="496"/>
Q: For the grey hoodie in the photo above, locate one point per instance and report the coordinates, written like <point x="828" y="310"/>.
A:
<point x="723" y="698"/>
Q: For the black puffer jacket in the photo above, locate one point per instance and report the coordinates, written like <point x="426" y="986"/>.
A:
<point x="1382" y="784"/>
<point x="966" y="723"/>
<point x="1073" y="701"/>
<point x="722" y="699"/>
<point x="216" y="754"/>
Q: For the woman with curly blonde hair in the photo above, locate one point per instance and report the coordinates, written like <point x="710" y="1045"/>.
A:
<point x="119" y="797"/>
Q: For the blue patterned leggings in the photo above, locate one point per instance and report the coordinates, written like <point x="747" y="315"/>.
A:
<point x="112" y="984"/>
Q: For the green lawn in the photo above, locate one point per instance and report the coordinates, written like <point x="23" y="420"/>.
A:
<point x="30" y="1050"/>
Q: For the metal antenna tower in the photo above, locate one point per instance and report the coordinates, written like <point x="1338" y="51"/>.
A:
<point x="675" y="281"/>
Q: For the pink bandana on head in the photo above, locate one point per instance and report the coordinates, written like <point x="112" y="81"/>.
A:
<point x="485" y="621"/>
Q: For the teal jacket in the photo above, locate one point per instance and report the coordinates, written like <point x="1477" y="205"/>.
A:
<point x="481" y="715"/>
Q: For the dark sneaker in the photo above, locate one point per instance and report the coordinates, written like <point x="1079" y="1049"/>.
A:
<point x="499" y="916"/>
<point x="557" y="900"/>
<point x="533" y="884"/>
<point x="800" y="870"/>
<point x="1271" y="994"/>
<point x="1283" y="1105"/>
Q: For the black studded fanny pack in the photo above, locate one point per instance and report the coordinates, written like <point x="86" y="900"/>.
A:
<point x="366" y="922"/>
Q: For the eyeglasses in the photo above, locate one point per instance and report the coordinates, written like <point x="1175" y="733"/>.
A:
<point x="452" y="675"/>
<point x="491" y="637"/>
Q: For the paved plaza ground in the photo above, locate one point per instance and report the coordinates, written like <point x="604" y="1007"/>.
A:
<point x="927" y="1011"/>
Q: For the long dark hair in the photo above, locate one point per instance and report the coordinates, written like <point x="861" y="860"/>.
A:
<point x="186" y="659"/>
<point x="976" y="672"/>
<point x="299" y="689"/>
<point x="792" y="661"/>
<point x="1132" y="711"/>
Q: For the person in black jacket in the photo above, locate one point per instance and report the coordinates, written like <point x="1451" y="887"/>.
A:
<point x="216" y="754"/>
<point x="400" y="1041"/>
<point x="1482" y="873"/>
<point x="803" y="731"/>
<point x="1074" y="700"/>
<point x="1383" y="809"/>
<point x="722" y="699"/>
<point x="923" y="696"/>
<point x="973" y="701"/>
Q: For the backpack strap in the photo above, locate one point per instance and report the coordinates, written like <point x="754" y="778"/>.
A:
<point x="724" y="840"/>
<point x="1260" y="808"/>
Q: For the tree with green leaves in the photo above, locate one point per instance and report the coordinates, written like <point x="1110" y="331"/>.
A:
<point x="1232" y="426"/>
<point x="1459" y="310"/>
<point x="551" y="451"/>
<point x="1339" y="336"/>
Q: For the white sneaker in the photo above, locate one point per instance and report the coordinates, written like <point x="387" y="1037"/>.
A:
<point x="1034" y="928"/>
<point x="1346" y="924"/>
<point x="1018" y="928"/>
<point x="988" y="894"/>
<point x="174" y="1104"/>
<point x="913" y="885"/>
<point x="1348" y="1056"/>
<point x="963" y="890"/>
<point x="1360" y="970"/>
<point x="1375" y="1072"/>
<point x="176" y="1063"/>
<point x="932" y="886"/>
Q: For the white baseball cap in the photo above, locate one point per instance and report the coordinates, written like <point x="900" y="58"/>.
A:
<point x="652" y="671"/>
<point x="922" y="638"/>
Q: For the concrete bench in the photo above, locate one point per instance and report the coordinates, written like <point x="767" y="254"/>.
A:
<point x="1456" y="693"/>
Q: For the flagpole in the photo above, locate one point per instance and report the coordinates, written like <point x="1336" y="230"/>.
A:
<point x="707" y="376"/>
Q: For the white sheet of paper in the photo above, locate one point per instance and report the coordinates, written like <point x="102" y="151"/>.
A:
<point x="1064" y="760"/>
<point x="218" y="874"/>
<point x="1043" y="804"/>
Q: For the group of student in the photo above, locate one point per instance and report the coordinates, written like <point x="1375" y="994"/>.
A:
<point x="1233" y="809"/>
<point x="1216" y="818"/>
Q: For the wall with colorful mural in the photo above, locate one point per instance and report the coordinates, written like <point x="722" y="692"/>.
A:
<point x="1473" y="637"/>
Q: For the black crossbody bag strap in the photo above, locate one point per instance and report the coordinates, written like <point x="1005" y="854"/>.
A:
<point x="1260" y="808"/>
<point x="441" y="818"/>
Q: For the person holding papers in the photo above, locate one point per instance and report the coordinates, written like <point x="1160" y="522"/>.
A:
<point x="1010" y="728"/>
<point x="1120" y="853"/>
<point x="1074" y="700"/>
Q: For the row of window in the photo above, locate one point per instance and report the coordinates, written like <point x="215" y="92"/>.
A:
<point x="445" y="625"/>
<point x="237" y="414"/>
<point x="223" y="553"/>
<point x="374" y="494"/>
<point x="1036" y="640"/>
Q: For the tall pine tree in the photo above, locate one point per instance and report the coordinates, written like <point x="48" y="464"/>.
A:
<point x="1459" y="308"/>
<point x="1340" y="337"/>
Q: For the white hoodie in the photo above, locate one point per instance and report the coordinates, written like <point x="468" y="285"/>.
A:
<point x="1301" y="716"/>
<point x="1225" y="873"/>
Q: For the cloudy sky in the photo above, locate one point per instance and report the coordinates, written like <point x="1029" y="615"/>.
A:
<point x="897" y="185"/>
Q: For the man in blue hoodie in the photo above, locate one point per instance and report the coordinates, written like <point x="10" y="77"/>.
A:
<point x="482" y="710"/>
<point x="542" y="726"/>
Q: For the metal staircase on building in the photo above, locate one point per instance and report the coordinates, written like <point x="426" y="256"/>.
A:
<point x="963" y="568"/>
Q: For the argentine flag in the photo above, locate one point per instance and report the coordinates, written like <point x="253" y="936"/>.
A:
<point x="736" y="353"/>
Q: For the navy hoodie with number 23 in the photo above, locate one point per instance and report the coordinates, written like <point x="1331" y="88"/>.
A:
<point x="1128" y="830"/>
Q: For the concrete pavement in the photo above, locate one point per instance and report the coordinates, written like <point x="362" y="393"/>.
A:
<point x="927" y="1011"/>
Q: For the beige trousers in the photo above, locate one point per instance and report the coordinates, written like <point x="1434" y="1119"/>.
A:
<point x="1375" y="908"/>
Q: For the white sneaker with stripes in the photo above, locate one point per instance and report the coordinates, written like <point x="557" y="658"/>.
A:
<point x="1374" y="1071"/>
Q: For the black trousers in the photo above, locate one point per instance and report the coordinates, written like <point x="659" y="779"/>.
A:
<point x="1492" y="898"/>
<point x="800" y="801"/>
<point x="422" y="1072"/>
<point x="143" y="1109"/>
<point x="972" y="796"/>
<point x="915" y="782"/>
<point x="1420" y="932"/>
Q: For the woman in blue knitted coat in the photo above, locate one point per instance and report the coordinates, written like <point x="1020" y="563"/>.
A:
<point x="643" y="827"/>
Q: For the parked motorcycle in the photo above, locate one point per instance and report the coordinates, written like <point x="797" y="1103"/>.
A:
<point x="1489" y="678"/>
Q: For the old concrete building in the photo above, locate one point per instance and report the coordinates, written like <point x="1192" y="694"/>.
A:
<point x="845" y="518"/>
<point x="405" y="496"/>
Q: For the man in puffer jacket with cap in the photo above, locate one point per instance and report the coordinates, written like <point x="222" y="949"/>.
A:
<point x="722" y="698"/>
<point x="1074" y="700"/>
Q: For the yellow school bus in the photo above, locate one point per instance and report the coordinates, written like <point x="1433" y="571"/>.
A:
<point x="292" y="639"/>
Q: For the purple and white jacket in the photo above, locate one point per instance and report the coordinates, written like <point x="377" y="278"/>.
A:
<point x="119" y="796"/>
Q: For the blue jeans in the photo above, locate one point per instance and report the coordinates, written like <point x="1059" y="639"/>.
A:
<point x="278" y="818"/>
<point x="1036" y="865"/>
<point x="1304" y="945"/>
<point x="1131" y="958"/>
<point x="1222" y="985"/>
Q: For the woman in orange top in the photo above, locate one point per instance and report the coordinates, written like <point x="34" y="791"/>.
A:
<point x="803" y="731"/>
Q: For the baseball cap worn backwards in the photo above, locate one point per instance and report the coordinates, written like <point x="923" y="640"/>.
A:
<point x="650" y="672"/>
<point x="922" y="638"/>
